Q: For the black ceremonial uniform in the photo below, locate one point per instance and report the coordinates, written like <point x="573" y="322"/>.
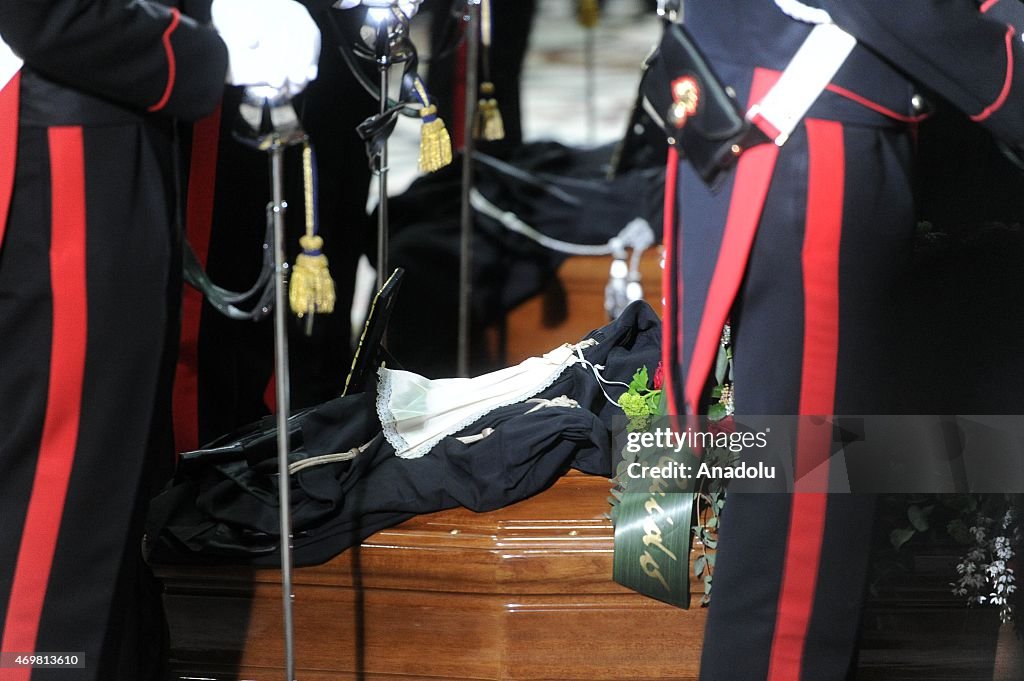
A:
<point x="85" y="270"/>
<point x="800" y="247"/>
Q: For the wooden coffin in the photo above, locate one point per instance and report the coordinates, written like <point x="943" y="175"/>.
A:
<point x="525" y="592"/>
<point x="521" y="593"/>
<point x="529" y="329"/>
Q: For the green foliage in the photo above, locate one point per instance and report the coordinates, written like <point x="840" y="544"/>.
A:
<point x="717" y="411"/>
<point x="982" y="527"/>
<point x="636" y="410"/>
<point x="900" y="536"/>
<point x="918" y="516"/>
<point x="640" y="380"/>
<point x="640" y="402"/>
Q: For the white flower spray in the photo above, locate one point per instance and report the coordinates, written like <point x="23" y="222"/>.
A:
<point x="984" y="574"/>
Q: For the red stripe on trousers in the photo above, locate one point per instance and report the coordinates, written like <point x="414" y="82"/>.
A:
<point x="9" y="97"/>
<point x="671" y="299"/>
<point x="63" y="401"/>
<point x="202" y="181"/>
<point x="750" y="188"/>
<point x="820" y="260"/>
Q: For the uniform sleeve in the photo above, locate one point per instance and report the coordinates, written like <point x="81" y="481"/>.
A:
<point x="138" y="53"/>
<point x="972" y="58"/>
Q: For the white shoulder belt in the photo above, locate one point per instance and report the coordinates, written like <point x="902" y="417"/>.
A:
<point x="10" y="64"/>
<point x="807" y="74"/>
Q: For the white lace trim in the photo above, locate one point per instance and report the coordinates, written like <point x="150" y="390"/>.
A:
<point x="388" y="421"/>
<point x="406" y="450"/>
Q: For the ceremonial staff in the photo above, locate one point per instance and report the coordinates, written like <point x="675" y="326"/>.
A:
<point x="588" y="14"/>
<point x="283" y="388"/>
<point x="384" y="67"/>
<point x="389" y="19"/>
<point x="387" y="44"/>
<point x="466" y="217"/>
<point x="268" y="122"/>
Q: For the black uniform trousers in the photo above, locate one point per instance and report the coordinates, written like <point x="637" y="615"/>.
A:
<point x="802" y="249"/>
<point x="805" y="280"/>
<point x="85" y="256"/>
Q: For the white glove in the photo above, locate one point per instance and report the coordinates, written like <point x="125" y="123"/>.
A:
<point x="408" y="7"/>
<point x="271" y="43"/>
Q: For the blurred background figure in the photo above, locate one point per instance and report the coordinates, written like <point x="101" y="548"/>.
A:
<point x="225" y="377"/>
<point x="89" y="286"/>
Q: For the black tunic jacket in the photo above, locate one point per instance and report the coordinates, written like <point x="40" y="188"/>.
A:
<point x="91" y="62"/>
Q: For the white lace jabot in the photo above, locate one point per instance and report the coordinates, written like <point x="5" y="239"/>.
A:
<point x="417" y="412"/>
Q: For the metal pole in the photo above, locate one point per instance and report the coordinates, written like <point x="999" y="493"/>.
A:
<point x="590" y="68"/>
<point x="466" y="243"/>
<point x="283" y="406"/>
<point x="384" y="63"/>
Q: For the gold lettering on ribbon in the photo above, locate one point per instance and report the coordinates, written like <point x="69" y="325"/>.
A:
<point x="651" y="505"/>
<point x="652" y="536"/>
<point x="652" y="531"/>
<point x="651" y="569"/>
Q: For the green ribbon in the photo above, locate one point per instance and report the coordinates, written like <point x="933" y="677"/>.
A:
<point x="653" y="520"/>
<point x="653" y="538"/>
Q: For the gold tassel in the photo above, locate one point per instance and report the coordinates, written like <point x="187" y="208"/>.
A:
<point x="489" y="125"/>
<point x="588" y="13"/>
<point x="435" y="143"/>
<point x="310" y="288"/>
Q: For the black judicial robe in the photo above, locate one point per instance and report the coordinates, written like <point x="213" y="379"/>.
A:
<point x="222" y="505"/>
<point x="801" y="247"/>
<point x="86" y="244"/>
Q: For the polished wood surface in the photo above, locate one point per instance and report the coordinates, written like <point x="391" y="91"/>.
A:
<point x="528" y="331"/>
<point x="522" y="593"/>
